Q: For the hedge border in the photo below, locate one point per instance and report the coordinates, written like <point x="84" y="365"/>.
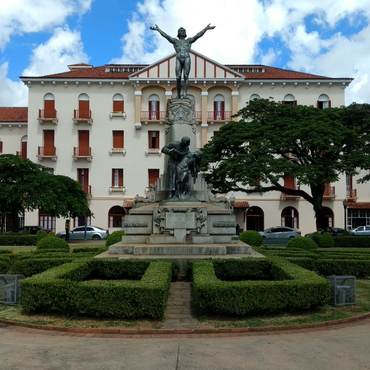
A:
<point x="59" y="290"/>
<point x="303" y="290"/>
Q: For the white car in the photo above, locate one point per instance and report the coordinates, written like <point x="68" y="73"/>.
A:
<point x="361" y="230"/>
<point x="85" y="233"/>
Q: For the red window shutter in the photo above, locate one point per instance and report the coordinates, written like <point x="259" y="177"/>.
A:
<point x="49" y="142"/>
<point x="23" y="150"/>
<point x="83" y="178"/>
<point x="113" y="173"/>
<point x="84" y="108"/>
<point x="120" y="177"/>
<point x="153" y="175"/>
<point x="222" y="108"/>
<point x="289" y="182"/>
<point x="118" y="106"/>
<point x="84" y="142"/>
<point x="1" y="146"/>
<point x="49" y="109"/>
<point x="153" y="139"/>
<point x="118" y="139"/>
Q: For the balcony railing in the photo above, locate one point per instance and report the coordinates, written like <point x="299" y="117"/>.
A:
<point x="289" y="197"/>
<point x="352" y="195"/>
<point x="46" y="153"/>
<point x="219" y="116"/>
<point x="117" y="189"/>
<point x="152" y="116"/>
<point x="329" y="193"/>
<point x="48" y="116"/>
<point x="82" y="153"/>
<point x="155" y="151"/>
<point x="118" y="151"/>
<point x="82" y="117"/>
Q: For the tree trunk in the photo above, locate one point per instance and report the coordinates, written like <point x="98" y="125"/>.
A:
<point x="14" y="221"/>
<point x="320" y="217"/>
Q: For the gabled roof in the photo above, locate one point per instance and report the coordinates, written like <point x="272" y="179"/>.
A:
<point x="13" y="114"/>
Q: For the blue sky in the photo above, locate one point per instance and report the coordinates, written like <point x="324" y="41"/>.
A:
<point x="327" y="37"/>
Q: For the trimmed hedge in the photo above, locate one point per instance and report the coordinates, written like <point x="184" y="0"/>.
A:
<point x="18" y="239"/>
<point x="94" y="250"/>
<point x="114" y="238"/>
<point x="302" y="242"/>
<point x="63" y="289"/>
<point x="352" y="241"/>
<point x="52" y="243"/>
<point x="300" y="289"/>
<point x="251" y="237"/>
<point x="323" y="240"/>
<point x="4" y="264"/>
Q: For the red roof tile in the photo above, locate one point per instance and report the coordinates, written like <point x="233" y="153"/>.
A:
<point x="274" y="73"/>
<point x="13" y="114"/>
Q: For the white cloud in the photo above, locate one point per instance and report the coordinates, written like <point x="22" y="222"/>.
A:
<point x="64" y="47"/>
<point x="25" y="16"/>
<point x="12" y="93"/>
<point x="241" y="25"/>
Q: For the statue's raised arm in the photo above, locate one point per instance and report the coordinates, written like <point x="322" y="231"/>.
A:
<point x="201" y="33"/>
<point x="162" y="33"/>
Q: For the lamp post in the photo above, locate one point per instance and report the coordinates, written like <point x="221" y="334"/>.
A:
<point x="345" y="205"/>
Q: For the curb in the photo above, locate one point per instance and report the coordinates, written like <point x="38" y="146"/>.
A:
<point x="185" y="331"/>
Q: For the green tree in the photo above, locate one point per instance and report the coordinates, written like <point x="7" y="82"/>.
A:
<point x="273" y="140"/>
<point x="26" y="186"/>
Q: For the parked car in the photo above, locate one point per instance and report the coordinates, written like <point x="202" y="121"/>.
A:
<point x="361" y="230"/>
<point x="85" y="233"/>
<point x="280" y="232"/>
<point x="32" y="229"/>
<point x="333" y="231"/>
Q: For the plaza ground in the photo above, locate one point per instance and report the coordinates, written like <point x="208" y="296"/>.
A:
<point x="336" y="348"/>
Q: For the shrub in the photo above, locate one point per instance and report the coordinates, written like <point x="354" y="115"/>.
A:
<point x="302" y="242"/>
<point x="4" y="264"/>
<point x="114" y="238"/>
<point x="63" y="289"/>
<point x="323" y="240"/>
<point x="18" y="239"/>
<point x="296" y="289"/>
<point x="251" y="237"/>
<point x="352" y="241"/>
<point x="41" y="234"/>
<point x="52" y="243"/>
<point x="94" y="250"/>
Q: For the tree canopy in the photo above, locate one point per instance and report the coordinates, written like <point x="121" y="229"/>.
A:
<point x="26" y="186"/>
<point x="273" y="140"/>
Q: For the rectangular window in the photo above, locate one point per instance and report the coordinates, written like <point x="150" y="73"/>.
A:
<point x="153" y="139"/>
<point x="46" y="221"/>
<point x="118" y="106"/>
<point x="118" y="140"/>
<point x="324" y="104"/>
<point x="84" y="142"/>
<point x="1" y="147"/>
<point x="83" y="179"/>
<point x="49" y="148"/>
<point x="153" y="176"/>
<point x="117" y="177"/>
<point x="84" y="109"/>
<point x="24" y="149"/>
<point x="349" y="184"/>
<point x="49" y="109"/>
<point x="289" y="182"/>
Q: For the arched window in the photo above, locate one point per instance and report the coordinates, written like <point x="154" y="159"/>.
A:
<point x="118" y="104"/>
<point x="254" y="97"/>
<point x="255" y="219"/>
<point x="290" y="217"/>
<point x="329" y="217"/>
<point x="83" y="106"/>
<point x="115" y="216"/>
<point x="23" y="153"/>
<point x="49" y="106"/>
<point x="323" y="102"/>
<point x="289" y="99"/>
<point x="219" y="108"/>
<point x="154" y="107"/>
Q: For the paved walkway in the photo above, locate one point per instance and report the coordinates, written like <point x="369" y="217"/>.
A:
<point x="178" y="309"/>
<point x="345" y="348"/>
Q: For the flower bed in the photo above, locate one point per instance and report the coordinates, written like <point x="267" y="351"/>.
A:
<point x="100" y="288"/>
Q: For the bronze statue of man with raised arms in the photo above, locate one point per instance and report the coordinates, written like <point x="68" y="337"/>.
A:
<point x="182" y="47"/>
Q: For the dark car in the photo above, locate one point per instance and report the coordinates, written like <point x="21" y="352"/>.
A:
<point x="32" y="229"/>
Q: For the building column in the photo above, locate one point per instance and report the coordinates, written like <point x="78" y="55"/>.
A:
<point x="204" y="125"/>
<point x="234" y="101"/>
<point x="138" y="94"/>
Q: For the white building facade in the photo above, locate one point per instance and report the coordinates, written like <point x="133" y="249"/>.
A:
<point x="104" y="127"/>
